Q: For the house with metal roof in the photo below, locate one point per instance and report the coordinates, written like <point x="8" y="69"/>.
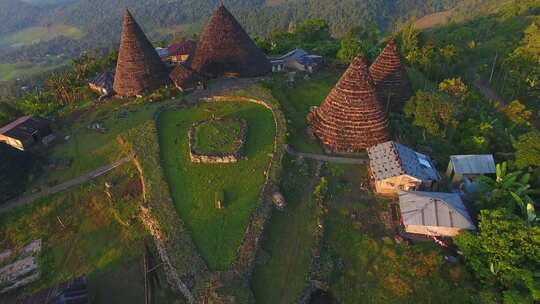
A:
<point x="434" y="213"/>
<point x="181" y="51"/>
<point x="102" y="83"/>
<point x="395" y="167"/>
<point x="462" y="170"/>
<point x="299" y="59"/>
<point x="25" y="131"/>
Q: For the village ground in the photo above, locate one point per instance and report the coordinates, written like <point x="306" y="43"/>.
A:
<point x="361" y="261"/>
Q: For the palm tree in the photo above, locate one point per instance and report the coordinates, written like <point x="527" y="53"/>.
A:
<point x="516" y="186"/>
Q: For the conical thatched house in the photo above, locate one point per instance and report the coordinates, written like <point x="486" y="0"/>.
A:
<point x="390" y="78"/>
<point x="351" y="119"/>
<point x="225" y="49"/>
<point x="185" y="79"/>
<point x="139" y="67"/>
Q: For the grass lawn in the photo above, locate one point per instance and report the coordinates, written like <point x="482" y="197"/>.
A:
<point x="85" y="233"/>
<point x="216" y="233"/>
<point x="296" y="104"/>
<point x="371" y="268"/>
<point x="288" y="239"/>
<point x="214" y="137"/>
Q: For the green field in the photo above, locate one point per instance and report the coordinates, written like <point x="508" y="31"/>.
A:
<point x="288" y="239"/>
<point x="216" y="233"/>
<point x="85" y="233"/>
<point x="39" y="34"/>
<point x="214" y="137"/>
<point x="10" y="71"/>
<point x="296" y="104"/>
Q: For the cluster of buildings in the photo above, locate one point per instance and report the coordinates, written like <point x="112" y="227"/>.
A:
<point x="224" y="49"/>
<point x="353" y="118"/>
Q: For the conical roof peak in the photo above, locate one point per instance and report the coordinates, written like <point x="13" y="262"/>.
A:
<point x="351" y="119"/>
<point x="225" y="48"/>
<point x="139" y="67"/>
<point x="390" y="77"/>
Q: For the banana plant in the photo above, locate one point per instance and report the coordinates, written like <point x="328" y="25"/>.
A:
<point x="516" y="184"/>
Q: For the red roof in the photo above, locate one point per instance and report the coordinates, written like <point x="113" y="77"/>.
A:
<point x="184" y="47"/>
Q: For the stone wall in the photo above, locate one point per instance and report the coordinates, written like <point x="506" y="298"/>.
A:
<point x="244" y="263"/>
<point x="198" y="156"/>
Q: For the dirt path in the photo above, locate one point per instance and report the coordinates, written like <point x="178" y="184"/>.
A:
<point x="61" y="187"/>
<point x="331" y="159"/>
<point x="483" y="86"/>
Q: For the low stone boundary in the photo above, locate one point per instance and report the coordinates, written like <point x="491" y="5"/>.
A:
<point x="185" y="269"/>
<point x="244" y="263"/>
<point x="198" y="156"/>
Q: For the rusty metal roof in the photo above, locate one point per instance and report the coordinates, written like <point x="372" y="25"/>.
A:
<point x="391" y="159"/>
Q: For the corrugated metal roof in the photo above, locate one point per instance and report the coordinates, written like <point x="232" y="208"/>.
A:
<point x="436" y="209"/>
<point x="296" y="54"/>
<point x="392" y="159"/>
<point x="25" y="126"/>
<point x="104" y="80"/>
<point x="473" y="164"/>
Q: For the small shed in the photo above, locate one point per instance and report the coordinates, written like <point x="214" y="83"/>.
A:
<point x="163" y="53"/>
<point x="25" y="131"/>
<point x="394" y="167"/>
<point x="469" y="166"/>
<point x="103" y="83"/>
<point x="434" y="213"/>
<point x="299" y="59"/>
<point x="181" y="51"/>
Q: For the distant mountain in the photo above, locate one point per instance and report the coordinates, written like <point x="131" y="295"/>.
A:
<point x="16" y="15"/>
<point x="100" y="20"/>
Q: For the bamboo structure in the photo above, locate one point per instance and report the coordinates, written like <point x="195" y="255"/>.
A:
<point x="225" y="49"/>
<point x="390" y="78"/>
<point x="139" y="67"/>
<point x="351" y="119"/>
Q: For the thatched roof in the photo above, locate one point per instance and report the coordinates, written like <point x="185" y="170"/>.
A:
<point x="184" y="77"/>
<point x="390" y="77"/>
<point x="224" y="48"/>
<point x="139" y="67"/>
<point x="351" y="119"/>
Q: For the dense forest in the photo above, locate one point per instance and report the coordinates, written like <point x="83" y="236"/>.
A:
<point x="101" y="20"/>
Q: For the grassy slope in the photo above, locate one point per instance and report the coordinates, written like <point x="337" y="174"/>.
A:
<point x="288" y="240"/>
<point x="10" y="71"/>
<point x="37" y="34"/>
<point x="89" y="149"/>
<point x="98" y="238"/>
<point x="216" y="233"/>
<point x="370" y="270"/>
<point x="296" y="104"/>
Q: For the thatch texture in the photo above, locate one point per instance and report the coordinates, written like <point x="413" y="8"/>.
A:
<point x="351" y="119"/>
<point x="225" y="49"/>
<point x="139" y="67"/>
<point x="390" y="78"/>
<point x="184" y="78"/>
